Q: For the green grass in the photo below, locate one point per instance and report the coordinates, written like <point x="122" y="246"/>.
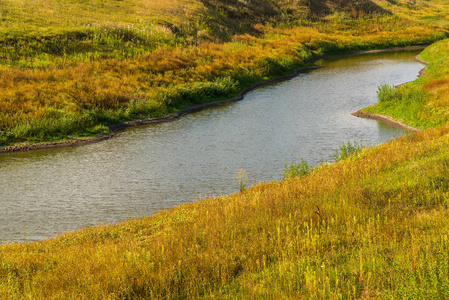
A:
<point x="292" y="170"/>
<point x="346" y="150"/>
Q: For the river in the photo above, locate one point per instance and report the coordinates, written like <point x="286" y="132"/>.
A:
<point x="151" y="168"/>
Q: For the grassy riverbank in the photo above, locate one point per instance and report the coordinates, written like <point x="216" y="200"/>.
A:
<point x="374" y="225"/>
<point x="64" y="76"/>
<point x="422" y="103"/>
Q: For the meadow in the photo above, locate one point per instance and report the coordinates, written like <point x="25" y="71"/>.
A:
<point x="373" y="224"/>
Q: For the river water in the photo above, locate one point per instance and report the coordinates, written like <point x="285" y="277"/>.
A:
<point x="151" y="168"/>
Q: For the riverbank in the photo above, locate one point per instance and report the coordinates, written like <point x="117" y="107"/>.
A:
<point x="384" y="119"/>
<point x="113" y="129"/>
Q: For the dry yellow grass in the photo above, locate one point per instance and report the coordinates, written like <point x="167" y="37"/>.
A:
<point x="434" y="12"/>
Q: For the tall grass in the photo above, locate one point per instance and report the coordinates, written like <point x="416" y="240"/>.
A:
<point x="292" y="170"/>
<point x="346" y="150"/>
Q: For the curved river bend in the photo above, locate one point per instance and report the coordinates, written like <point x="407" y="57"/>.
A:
<point x="147" y="169"/>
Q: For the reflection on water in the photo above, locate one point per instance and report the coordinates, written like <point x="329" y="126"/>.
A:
<point x="147" y="169"/>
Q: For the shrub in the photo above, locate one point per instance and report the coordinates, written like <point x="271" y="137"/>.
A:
<point x="206" y="91"/>
<point x="292" y="170"/>
<point x="388" y="94"/>
<point x="346" y="150"/>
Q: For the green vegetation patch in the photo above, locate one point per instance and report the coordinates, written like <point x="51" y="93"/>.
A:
<point x="422" y="103"/>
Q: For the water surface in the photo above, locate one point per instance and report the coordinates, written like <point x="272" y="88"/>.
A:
<point x="150" y="168"/>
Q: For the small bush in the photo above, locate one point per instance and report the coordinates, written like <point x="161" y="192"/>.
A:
<point x="346" y="150"/>
<point x="388" y="94"/>
<point x="207" y="91"/>
<point x="292" y="170"/>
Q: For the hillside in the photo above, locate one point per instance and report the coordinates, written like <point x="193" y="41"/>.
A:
<point x="71" y="69"/>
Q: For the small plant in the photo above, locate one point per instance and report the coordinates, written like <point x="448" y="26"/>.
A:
<point x="388" y="94"/>
<point x="346" y="150"/>
<point x="242" y="179"/>
<point x="293" y="170"/>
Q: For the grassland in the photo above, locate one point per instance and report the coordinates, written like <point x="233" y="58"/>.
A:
<point x="372" y="225"/>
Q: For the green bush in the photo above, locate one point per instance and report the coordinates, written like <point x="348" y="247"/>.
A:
<point x="346" y="150"/>
<point x="292" y="170"/>
<point x="199" y="92"/>
<point x="388" y="94"/>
